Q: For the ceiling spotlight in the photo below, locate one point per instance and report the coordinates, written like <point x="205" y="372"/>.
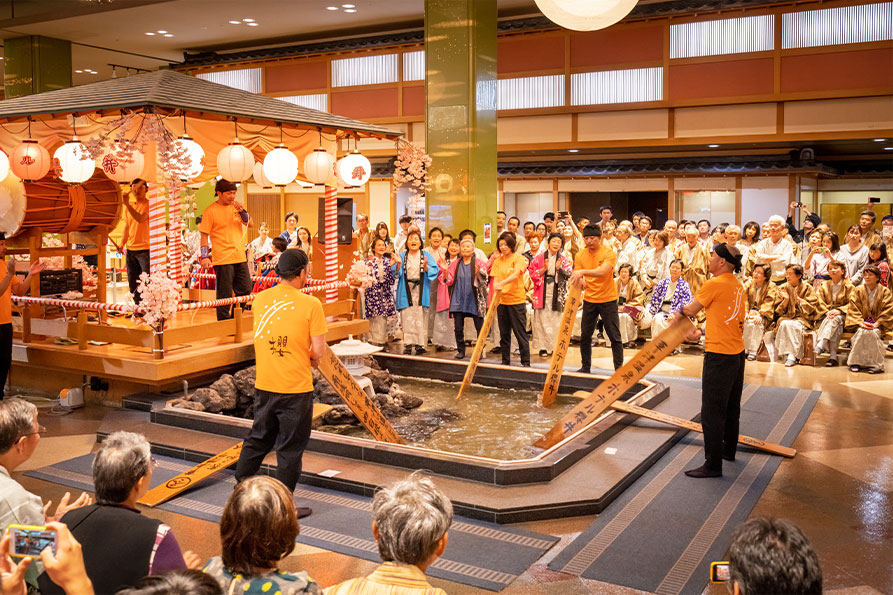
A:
<point x="712" y="146"/>
<point x="161" y="31"/>
<point x="888" y="148"/>
<point x="235" y="22"/>
<point x="879" y="140"/>
<point x="350" y="10"/>
<point x="348" y="6"/>
<point x="79" y="71"/>
<point x="247" y="20"/>
<point x="573" y="150"/>
<point x="331" y="8"/>
<point x="168" y="34"/>
<point x="252" y="24"/>
<point x="149" y="33"/>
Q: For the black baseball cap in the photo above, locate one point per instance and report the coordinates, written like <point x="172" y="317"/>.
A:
<point x="291" y="263"/>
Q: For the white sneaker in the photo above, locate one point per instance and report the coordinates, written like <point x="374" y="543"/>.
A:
<point x="790" y="362"/>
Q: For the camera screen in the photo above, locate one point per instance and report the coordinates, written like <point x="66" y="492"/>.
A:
<point x="719" y="572"/>
<point x="30" y="542"/>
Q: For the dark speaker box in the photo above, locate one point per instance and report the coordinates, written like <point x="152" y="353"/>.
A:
<point x="345" y="220"/>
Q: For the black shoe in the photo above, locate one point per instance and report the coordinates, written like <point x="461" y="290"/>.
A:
<point x="583" y="370"/>
<point x="496" y="349"/>
<point x="831" y="363"/>
<point x="875" y="370"/>
<point x="703" y="471"/>
<point x="407" y="350"/>
<point x="419" y="350"/>
<point x="523" y="365"/>
<point x="730" y="457"/>
<point x="460" y="355"/>
<point x="440" y="348"/>
<point x="544" y="353"/>
<point x="304" y="512"/>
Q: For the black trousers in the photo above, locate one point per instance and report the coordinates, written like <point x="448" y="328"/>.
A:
<point x="5" y="354"/>
<point x="137" y="262"/>
<point x="607" y="312"/>
<point x="231" y="279"/>
<point x="721" y="386"/>
<point x="512" y="319"/>
<point x="459" y="328"/>
<point x="281" y="422"/>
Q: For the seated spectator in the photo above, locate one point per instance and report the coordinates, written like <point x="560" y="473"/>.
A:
<point x="670" y="296"/>
<point x="630" y="305"/>
<point x="120" y="544"/>
<point x="761" y="298"/>
<point x="854" y="255"/>
<point x="877" y="255"/>
<point x="796" y="311"/>
<point x="833" y="302"/>
<point x="19" y="437"/>
<point x="870" y="314"/>
<point x="410" y="521"/>
<point x="258" y="528"/>
<point x="175" y="582"/>
<point x="772" y="556"/>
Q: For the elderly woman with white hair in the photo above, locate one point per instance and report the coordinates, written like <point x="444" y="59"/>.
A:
<point x="410" y="521"/>
<point x="120" y="545"/>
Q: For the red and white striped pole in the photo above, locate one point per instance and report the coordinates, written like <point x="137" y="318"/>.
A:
<point x="331" y="237"/>
<point x="157" y="246"/>
<point x="174" y="243"/>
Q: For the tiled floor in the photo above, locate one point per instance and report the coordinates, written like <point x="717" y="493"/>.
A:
<point x="838" y="488"/>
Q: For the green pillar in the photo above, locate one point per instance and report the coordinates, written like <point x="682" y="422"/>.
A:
<point x="34" y="64"/>
<point x="460" y="85"/>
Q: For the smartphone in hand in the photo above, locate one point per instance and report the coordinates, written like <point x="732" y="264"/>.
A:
<point x="27" y="541"/>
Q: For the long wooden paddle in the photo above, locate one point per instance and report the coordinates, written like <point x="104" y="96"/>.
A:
<point x="481" y="343"/>
<point x="776" y="449"/>
<point x="562" y="342"/>
<point x="622" y="380"/>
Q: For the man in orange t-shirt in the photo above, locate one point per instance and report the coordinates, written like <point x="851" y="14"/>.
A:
<point x="222" y="224"/>
<point x="9" y="285"/>
<point x="135" y="237"/>
<point x="594" y="266"/>
<point x="722" y="380"/>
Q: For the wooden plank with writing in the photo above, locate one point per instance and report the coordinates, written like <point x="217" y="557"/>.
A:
<point x="357" y="399"/>
<point x="622" y="380"/>
<point x="687" y="424"/>
<point x="481" y="343"/>
<point x="562" y="342"/>
<point x="189" y="478"/>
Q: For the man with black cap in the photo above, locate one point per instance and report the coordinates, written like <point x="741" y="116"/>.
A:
<point x="289" y="340"/>
<point x="725" y="302"/>
<point x="222" y="224"/>
<point x="9" y="285"/>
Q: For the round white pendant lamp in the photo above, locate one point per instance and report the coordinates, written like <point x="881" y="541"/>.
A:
<point x="196" y="158"/>
<point x="74" y="161"/>
<point x="30" y="161"/>
<point x="353" y="169"/>
<point x="318" y="166"/>
<point x="281" y="166"/>
<point x="121" y="167"/>
<point x="585" y="15"/>
<point x="235" y="162"/>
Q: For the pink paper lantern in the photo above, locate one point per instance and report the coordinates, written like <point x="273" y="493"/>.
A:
<point x="30" y="161"/>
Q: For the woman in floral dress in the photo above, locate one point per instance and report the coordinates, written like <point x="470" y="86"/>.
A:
<point x="379" y="298"/>
<point x="549" y="272"/>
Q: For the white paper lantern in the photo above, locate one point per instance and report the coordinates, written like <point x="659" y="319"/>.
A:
<point x="30" y="161"/>
<point x="585" y="15"/>
<point x="196" y="158"/>
<point x="259" y="178"/>
<point x="121" y="167"/>
<point x="74" y="161"/>
<point x="235" y="162"/>
<point x="353" y="169"/>
<point x="318" y="166"/>
<point x="4" y="166"/>
<point x="281" y="166"/>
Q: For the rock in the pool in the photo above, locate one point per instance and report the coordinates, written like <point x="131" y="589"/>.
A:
<point x="226" y="388"/>
<point x="390" y="410"/>
<point x="209" y="398"/>
<point x="381" y="380"/>
<point x="324" y="393"/>
<point x="184" y="404"/>
<point x="245" y="379"/>
<point x="407" y="401"/>
<point x="338" y="415"/>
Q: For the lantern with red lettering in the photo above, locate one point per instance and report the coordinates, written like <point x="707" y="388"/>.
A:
<point x="123" y="164"/>
<point x="30" y="161"/>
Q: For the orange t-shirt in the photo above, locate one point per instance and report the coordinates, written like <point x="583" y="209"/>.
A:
<point x="725" y="302"/>
<point x="598" y="289"/>
<point x="6" y="300"/>
<point x="224" y="226"/>
<point x="137" y="233"/>
<point x="502" y="267"/>
<point x="284" y="321"/>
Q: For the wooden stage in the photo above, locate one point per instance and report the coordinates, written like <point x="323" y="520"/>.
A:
<point x="43" y="364"/>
